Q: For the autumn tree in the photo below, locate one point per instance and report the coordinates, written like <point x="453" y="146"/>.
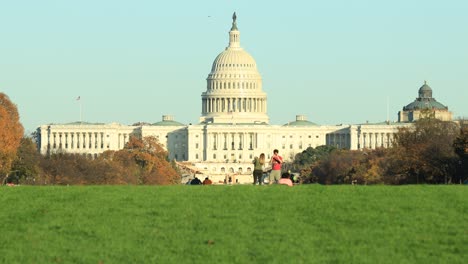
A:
<point x="153" y="161"/>
<point x="341" y="167"/>
<point x="426" y="152"/>
<point x="11" y="132"/>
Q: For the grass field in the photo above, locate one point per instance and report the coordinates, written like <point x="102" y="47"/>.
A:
<point x="234" y="224"/>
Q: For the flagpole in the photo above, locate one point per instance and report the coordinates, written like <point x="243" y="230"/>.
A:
<point x="388" y="103"/>
<point x="81" y="120"/>
<point x="79" y="101"/>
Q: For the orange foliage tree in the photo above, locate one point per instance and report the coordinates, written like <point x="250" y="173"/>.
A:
<point x="11" y="132"/>
<point x="151" y="158"/>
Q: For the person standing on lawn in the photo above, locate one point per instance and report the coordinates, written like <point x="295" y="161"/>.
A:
<point x="259" y="163"/>
<point x="276" y="161"/>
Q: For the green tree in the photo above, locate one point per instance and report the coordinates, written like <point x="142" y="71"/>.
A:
<point x="460" y="145"/>
<point x="308" y="159"/>
<point x="26" y="166"/>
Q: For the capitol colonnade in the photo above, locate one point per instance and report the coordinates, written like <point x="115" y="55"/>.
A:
<point x="234" y="105"/>
<point x="84" y="138"/>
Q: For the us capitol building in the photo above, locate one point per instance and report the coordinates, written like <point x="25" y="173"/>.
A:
<point x="234" y="125"/>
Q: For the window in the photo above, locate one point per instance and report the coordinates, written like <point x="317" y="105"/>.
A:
<point x="214" y="156"/>
<point x="196" y="156"/>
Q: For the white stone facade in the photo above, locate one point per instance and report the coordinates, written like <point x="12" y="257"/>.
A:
<point x="234" y="126"/>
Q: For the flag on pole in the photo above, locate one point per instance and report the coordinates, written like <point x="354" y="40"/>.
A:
<point x="78" y="98"/>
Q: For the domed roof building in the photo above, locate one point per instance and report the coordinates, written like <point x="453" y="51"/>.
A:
<point x="234" y="126"/>
<point x="234" y="87"/>
<point x="301" y="121"/>
<point x="424" y="105"/>
<point x="168" y="120"/>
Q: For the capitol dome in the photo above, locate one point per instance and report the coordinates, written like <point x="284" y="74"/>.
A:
<point x="234" y="59"/>
<point x="234" y="86"/>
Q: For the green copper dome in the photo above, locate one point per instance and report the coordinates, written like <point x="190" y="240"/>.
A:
<point x="168" y="123"/>
<point x="425" y="100"/>
<point x="301" y="120"/>
<point x="168" y="120"/>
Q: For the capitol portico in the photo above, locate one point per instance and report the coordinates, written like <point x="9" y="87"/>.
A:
<point x="234" y="125"/>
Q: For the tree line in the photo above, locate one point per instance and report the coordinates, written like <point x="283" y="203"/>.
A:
<point x="142" y="161"/>
<point x="432" y="152"/>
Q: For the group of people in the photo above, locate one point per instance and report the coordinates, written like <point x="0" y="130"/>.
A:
<point x="261" y="167"/>
<point x="275" y="176"/>
<point x="197" y="181"/>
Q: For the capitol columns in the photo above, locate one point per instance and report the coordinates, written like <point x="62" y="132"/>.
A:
<point x="354" y="135"/>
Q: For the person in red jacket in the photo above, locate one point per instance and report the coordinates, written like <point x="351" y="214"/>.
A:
<point x="276" y="162"/>
<point x="207" y="181"/>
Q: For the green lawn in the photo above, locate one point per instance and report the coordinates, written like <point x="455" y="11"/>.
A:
<point x="234" y="224"/>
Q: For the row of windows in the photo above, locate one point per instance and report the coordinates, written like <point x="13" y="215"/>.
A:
<point x="236" y="76"/>
<point x="233" y="85"/>
<point x="309" y="136"/>
<point x="77" y="146"/>
<point x="235" y="65"/>
<point x="232" y="147"/>
<point x="232" y="157"/>
<point x="291" y="146"/>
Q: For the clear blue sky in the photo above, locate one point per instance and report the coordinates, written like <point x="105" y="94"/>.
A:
<point x="130" y="61"/>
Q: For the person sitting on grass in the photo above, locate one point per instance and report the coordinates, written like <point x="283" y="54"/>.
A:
<point x="207" y="181"/>
<point x="285" y="179"/>
<point x="196" y="181"/>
